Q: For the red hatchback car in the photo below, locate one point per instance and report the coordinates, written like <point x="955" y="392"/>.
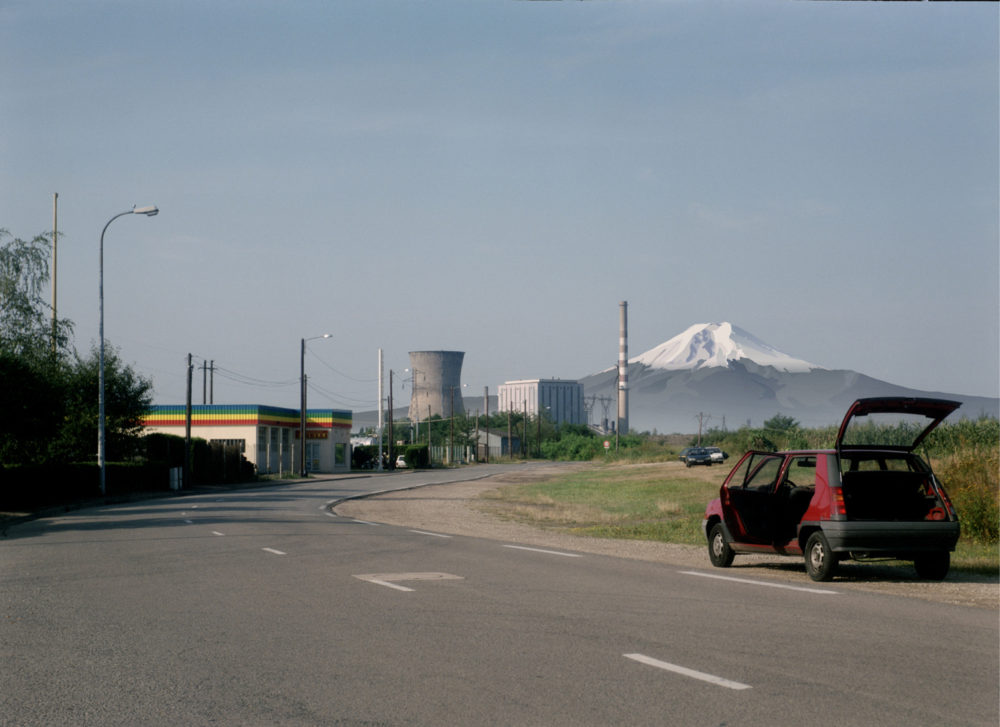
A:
<point x="871" y="497"/>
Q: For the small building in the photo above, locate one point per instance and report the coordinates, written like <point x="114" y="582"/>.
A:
<point x="559" y="400"/>
<point x="268" y="436"/>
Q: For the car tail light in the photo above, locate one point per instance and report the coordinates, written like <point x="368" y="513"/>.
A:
<point x="839" y="506"/>
<point x="947" y="502"/>
<point x="936" y="513"/>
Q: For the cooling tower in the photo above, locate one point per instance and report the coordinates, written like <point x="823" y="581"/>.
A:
<point x="437" y="381"/>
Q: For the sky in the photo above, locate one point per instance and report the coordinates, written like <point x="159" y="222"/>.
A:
<point x="495" y="177"/>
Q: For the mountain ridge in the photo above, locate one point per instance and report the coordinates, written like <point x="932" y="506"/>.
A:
<point x="726" y="374"/>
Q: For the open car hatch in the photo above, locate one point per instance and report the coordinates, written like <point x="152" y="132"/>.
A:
<point x="895" y="423"/>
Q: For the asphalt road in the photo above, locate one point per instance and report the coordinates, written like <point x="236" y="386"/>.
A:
<point x="260" y="607"/>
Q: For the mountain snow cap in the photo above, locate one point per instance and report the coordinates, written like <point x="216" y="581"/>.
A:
<point x="706" y="345"/>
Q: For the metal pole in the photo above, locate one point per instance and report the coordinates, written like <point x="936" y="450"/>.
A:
<point x="101" y="442"/>
<point x="392" y="462"/>
<point x="187" y="428"/>
<point x="381" y="413"/>
<point x="486" y="408"/>
<point x="302" y="410"/>
<point x="55" y="263"/>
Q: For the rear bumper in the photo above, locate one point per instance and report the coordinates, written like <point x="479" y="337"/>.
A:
<point x="891" y="538"/>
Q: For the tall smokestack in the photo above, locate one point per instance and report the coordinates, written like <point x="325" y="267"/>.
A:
<point x="623" y="367"/>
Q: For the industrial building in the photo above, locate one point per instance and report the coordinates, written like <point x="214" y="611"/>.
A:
<point x="269" y="437"/>
<point x="559" y="400"/>
<point x="437" y="384"/>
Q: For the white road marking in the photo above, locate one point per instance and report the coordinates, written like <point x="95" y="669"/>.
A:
<point x="424" y="532"/>
<point x="387" y="579"/>
<point x="365" y="522"/>
<point x="769" y="584"/>
<point x="710" y="678"/>
<point x="216" y="532"/>
<point x="549" y="552"/>
<point x="272" y="550"/>
<point x="189" y="522"/>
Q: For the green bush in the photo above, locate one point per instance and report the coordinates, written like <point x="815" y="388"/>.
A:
<point x="971" y="478"/>
<point x="416" y="455"/>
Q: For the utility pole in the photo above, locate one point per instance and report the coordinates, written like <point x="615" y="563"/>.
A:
<point x="204" y="382"/>
<point x="524" y="431"/>
<point x="187" y="428"/>
<point x="702" y="418"/>
<point x="211" y="382"/>
<point x="392" y="462"/>
<point x="55" y="263"/>
<point x="486" y="408"/>
<point x="510" y="439"/>
<point x="451" y="428"/>
<point x="381" y="413"/>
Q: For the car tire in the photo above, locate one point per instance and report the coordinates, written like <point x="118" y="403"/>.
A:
<point x="719" y="551"/>
<point x="932" y="566"/>
<point x="687" y="463"/>
<point x="820" y="560"/>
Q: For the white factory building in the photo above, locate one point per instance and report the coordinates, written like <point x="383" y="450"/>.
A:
<point x="559" y="400"/>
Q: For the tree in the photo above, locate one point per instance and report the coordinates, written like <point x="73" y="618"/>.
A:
<point x="781" y="423"/>
<point x="26" y="328"/>
<point x="49" y="401"/>
<point x="31" y="408"/>
<point x="127" y="398"/>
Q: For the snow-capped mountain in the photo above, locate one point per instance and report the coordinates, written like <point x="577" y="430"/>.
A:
<point x="720" y="374"/>
<point x="706" y="345"/>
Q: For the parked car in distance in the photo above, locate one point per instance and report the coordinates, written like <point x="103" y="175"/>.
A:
<point x="698" y="455"/>
<point x="684" y="453"/>
<point x="401" y="462"/>
<point x="718" y="456"/>
<point x="871" y="497"/>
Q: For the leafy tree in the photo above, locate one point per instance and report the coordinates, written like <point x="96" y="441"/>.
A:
<point x="25" y="318"/>
<point x="127" y="397"/>
<point x="49" y="401"/>
<point x="31" y="408"/>
<point x="781" y="423"/>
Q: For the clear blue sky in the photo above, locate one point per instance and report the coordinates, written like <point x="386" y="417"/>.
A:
<point x="494" y="177"/>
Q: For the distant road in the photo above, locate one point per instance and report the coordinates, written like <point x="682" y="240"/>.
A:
<point x="259" y="607"/>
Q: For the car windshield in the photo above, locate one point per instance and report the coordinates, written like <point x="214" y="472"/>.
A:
<point x="896" y="429"/>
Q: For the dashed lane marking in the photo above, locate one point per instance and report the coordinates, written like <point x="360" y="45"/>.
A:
<point x="684" y="671"/>
<point x="540" y="550"/>
<point x="275" y="552"/>
<point x="389" y="579"/>
<point x="752" y="582"/>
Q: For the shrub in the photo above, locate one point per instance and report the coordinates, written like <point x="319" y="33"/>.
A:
<point x="972" y="480"/>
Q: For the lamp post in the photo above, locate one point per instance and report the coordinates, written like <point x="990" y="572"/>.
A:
<point x="302" y="408"/>
<point x="149" y="211"/>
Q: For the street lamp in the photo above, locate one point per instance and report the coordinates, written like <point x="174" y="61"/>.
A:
<point x="149" y="211"/>
<point x="302" y="410"/>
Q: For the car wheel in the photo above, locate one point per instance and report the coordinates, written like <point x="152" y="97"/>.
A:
<point x="688" y="464"/>
<point x="820" y="560"/>
<point x="933" y="566"/>
<point x="719" y="551"/>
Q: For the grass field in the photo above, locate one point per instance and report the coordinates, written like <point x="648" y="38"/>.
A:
<point x="662" y="501"/>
